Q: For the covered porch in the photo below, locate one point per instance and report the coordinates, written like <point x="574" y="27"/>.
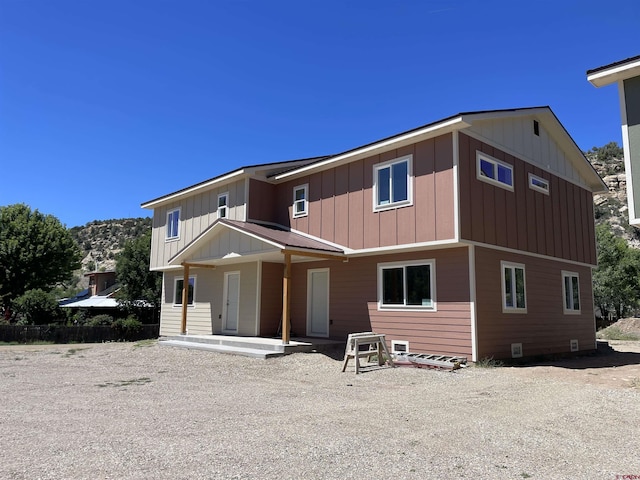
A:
<point x="227" y="244"/>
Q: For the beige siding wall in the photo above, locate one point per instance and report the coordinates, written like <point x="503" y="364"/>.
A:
<point x="353" y="304"/>
<point x="229" y="241"/>
<point x="341" y="201"/>
<point x="196" y="214"/>
<point x="544" y="329"/>
<point x="559" y="224"/>
<point x="205" y="317"/>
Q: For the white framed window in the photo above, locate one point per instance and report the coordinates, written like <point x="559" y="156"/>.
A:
<point x="571" y="292"/>
<point x="399" y="346"/>
<point x="406" y="285"/>
<point x="301" y="200"/>
<point x="494" y="171"/>
<point x="392" y="183"/>
<point x="173" y="224"/>
<point x="178" y="282"/>
<point x="223" y="204"/>
<point x="538" y="184"/>
<point x="514" y="297"/>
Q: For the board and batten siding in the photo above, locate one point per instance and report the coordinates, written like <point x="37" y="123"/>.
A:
<point x="204" y="318"/>
<point x="559" y="225"/>
<point x="341" y="201"/>
<point x="197" y="212"/>
<point x="545" y="328"/>
<point x="516" y="135"/>
<point x="353" y="302"/>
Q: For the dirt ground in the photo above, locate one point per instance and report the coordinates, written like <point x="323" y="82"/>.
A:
<point x="146" y="411"/>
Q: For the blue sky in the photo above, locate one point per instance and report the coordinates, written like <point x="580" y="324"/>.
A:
<point x="107" y="104"/>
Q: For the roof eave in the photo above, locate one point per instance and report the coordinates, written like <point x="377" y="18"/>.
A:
<point x="615" y="73"/>
<point x="429" y="131"/>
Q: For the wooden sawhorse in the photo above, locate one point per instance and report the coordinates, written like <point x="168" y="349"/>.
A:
<point x="376" y="345"/>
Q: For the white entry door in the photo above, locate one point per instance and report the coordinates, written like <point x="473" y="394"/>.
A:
<point x="318" y="302"/>
<point x="231" y="302"/>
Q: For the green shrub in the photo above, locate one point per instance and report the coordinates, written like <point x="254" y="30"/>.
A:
<point x="127" y="327"/>
<point x="100" y="320"/>
<point x="36" y="307"/>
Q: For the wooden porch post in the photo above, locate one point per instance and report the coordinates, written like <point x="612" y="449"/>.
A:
<point x="286" y="299"/>
<point x="185" y="299"/>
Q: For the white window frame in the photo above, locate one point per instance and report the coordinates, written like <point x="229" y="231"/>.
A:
<point x="223" y="210"/>
<point x="513" y="266"/>
<point x="305" y="201"/>
<point x="377" y="207"/>
<point x="176" y="236"/>
<point x="570" y="309"/>
<point x="534" y="178"/>
<point x="404" y="307"/>
<point x="175" y="291"/>
<point x="480" y="156"/>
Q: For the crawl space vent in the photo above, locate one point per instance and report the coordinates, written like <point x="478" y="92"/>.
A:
<point x="574" y="345"/>
<point x="516" y="350"/>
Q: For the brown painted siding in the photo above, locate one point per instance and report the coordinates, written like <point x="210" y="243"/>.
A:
<point x="354" y="302"/>
<point x="271" y="298"/>
<point x="341" y="201"/>
<point x="559" y="224"/>
<point x="544" y="329"/>
<point x="261" y="206"/>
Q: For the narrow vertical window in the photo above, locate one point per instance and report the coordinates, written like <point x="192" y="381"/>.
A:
<point x="173" y="224"/>
<point x="392" y="183"/>
<point x="300" y="201"/>
<point x="223" y="200"/>
<point x="177" y="291"/>
<point x="571" y="292"/>
<point x="513" y="288"/>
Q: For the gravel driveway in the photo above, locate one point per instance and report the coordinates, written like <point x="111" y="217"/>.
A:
<point x="144" y="411"/>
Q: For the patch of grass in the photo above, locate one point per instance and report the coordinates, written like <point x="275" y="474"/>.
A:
<point x="73" y="351"/>
<point x="525" y="475"/>
<point x="635" y="382"/>
<point x="489" y="362"/>
<point x="4" y="344"/>
<point x="126" y="383"/>
<point x="145" y="343"/>
<point x="35" y="342"/>
<point x="615" y="333"/>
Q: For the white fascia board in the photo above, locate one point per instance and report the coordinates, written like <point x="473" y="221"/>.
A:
<point x="614" y="74"/>
<point x="427" y="132"/>
<point x="195" y="189"/>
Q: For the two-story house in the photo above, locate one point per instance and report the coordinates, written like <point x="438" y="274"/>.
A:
<point x="472" y="235"/>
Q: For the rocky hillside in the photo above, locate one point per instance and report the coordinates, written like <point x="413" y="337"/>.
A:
<point x="102" y="240"/>
<point x="611" y="207"/>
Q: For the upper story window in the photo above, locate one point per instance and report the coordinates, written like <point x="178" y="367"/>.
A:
<point x="406" y="285"/>
<point x="392" y="183"/>
<point x="173" y="224"/>
<point x="539" y="184"/>
<point x="571" y="292"/>
<point x="300" y="201"/>
<point x="494" y="171"/>
<point x="223" y="201"/>
<point x="178" y="284"/>
<point x="513" y="288"/>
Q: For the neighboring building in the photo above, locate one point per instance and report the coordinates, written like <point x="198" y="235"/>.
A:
<point x="473" y="236"/>
<point x="626" y="73"/>
<point x="99" y="296"/>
